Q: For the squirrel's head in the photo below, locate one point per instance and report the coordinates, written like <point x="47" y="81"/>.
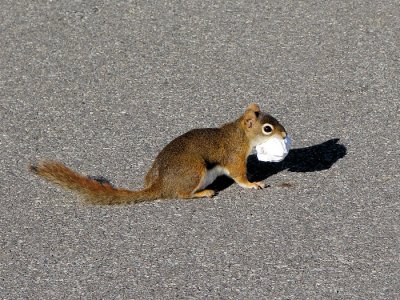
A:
<point x="260" y="126"/>
<point x="266" y="134"/>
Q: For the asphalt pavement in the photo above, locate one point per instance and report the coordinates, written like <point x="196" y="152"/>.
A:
<point x="103" y="85"/>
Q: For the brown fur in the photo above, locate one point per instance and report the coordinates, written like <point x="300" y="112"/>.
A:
<point x="180" y="169"/>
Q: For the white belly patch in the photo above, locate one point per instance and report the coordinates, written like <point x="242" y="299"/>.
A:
<point x="211" y="175"/>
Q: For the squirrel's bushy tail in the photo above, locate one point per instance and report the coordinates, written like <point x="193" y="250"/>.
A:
<point x="93" y="191"/>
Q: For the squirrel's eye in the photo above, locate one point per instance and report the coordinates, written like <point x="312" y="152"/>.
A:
<point x="267" y="129"/>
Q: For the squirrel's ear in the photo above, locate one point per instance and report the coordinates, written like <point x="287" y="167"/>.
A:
<point x="254" y="107"/>
<point x="249" y="118"/>
<point x="251" y="115"/>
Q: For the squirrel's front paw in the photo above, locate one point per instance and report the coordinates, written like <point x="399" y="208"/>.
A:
<point x="249" y="185"/>
<point x="258" y="185"/>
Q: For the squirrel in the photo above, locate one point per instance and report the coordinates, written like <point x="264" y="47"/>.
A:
<point x="185" y="167"/>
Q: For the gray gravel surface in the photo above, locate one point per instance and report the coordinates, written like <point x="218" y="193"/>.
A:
<point x="103" y="85"/>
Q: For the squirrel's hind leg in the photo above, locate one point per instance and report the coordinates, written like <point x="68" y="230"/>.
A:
<point x="192" y="177"/>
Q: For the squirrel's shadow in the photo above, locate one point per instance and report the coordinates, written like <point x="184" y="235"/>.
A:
<point x="310" y="159"/>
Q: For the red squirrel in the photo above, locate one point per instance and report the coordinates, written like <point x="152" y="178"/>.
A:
<point x="185" y="167"/>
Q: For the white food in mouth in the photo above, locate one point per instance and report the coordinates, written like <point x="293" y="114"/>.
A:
<point x="274" y="150"/>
